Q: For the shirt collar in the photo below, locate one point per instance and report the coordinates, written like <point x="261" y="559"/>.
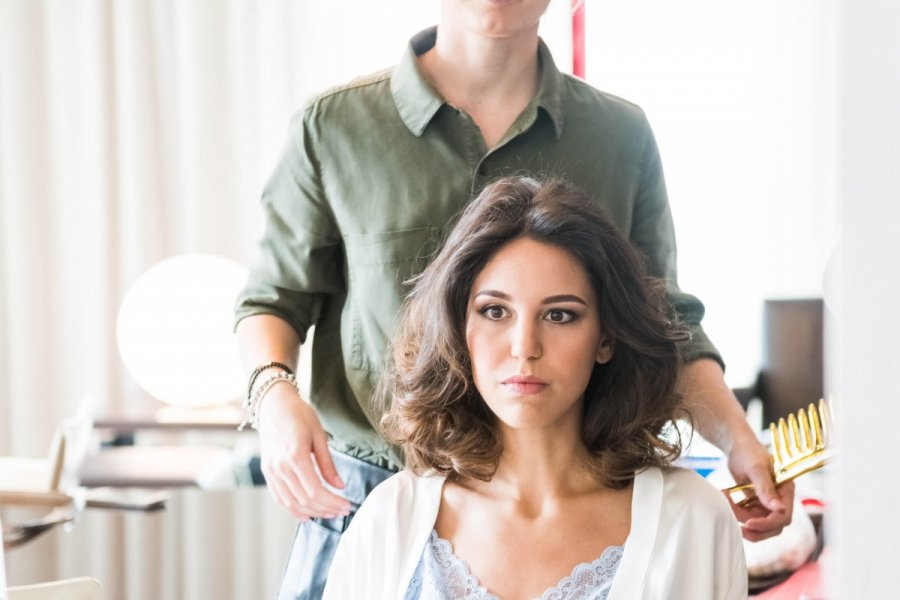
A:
<point x="417" y="101"/>
<point x="551" y="88"/>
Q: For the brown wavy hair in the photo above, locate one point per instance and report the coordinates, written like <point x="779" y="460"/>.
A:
<point x="436" y="413"/>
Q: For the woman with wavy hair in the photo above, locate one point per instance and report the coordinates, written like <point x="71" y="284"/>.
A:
<point x="532" y="390"/>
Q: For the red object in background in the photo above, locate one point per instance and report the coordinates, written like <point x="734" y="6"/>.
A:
<point x="578" y="38"/>
<point x="807" y="583"/>
<point x="813" y="504"/>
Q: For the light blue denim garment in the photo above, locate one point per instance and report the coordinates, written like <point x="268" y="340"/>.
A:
<point x="316" y="541"/>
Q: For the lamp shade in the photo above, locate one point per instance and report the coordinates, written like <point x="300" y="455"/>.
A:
<point x="174" y="330"/>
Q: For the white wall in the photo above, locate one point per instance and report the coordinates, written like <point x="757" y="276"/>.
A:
<point x="740" y="95"/>
<point x="863" y="301"/>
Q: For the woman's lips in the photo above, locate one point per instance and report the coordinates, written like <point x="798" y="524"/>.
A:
<point x="525" y="384"/>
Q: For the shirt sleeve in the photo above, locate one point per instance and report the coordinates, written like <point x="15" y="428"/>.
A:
<point x="299" y="263"/>
<point x="654" y="233"/>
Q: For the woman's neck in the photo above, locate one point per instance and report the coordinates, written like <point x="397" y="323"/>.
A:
<point x="541" y="468"/>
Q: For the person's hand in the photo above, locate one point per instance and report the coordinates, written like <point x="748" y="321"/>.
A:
<point x="295" y="456"/>
<point x="750" y="461"/>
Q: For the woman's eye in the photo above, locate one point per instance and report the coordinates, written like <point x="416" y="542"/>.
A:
<point x="560" y="316"/>
<point x="493" y="312"/>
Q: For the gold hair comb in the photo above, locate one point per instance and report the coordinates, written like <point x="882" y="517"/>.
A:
<point x="799" y="445"/>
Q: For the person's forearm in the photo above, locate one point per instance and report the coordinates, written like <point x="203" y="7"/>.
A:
<point x="719" y="418"/>
<point x="294" y="454"/>
<point x="266" y="338"/>
<point x="716" y="413"/>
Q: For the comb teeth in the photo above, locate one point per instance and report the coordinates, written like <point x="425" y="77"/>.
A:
<point x="800" y="443"/>
<point x="816" y="426"/>
<point x="800" y="435"/>
<point x="777" y="444"/>
<point x="806" y="437"/>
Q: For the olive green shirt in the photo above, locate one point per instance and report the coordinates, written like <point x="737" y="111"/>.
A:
<point x="373" y="175"/>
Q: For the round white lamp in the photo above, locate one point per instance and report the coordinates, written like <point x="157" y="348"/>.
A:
<point x="175" y="336"/>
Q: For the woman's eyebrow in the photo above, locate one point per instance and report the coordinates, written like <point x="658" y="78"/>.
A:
<point x="495" y="294"/>
<point x="547" y="300"/>
<point x="564" y="298"/>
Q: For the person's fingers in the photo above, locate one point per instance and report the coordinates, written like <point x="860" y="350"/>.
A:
<point x="294" y="452"/>
<point x="758" y="522"/>
<point x="281" y="494"/>
<point x="761" y="477"/>
<point x="286" y="486"/>
<point x="757" y="536"/>
<point x="761" y="528"/>
<point x="319" y="497"/>
<point x="773" y="520"/>
<point x="297" y="494"/>
<point x="291" y="475"/>
<point x="325" y="462"/>
<point x="785" y="493"/>
<point x="771" y="523"/>
<point x="748" y="511"/>
<point x="769" y="520"/>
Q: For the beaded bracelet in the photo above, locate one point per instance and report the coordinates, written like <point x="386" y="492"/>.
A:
<point x="260" y="369"/>
<point x="251" y="404"/>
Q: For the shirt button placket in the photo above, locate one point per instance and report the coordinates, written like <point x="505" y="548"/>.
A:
<point x="480" y="175"/>
<point x="476" y="151"/>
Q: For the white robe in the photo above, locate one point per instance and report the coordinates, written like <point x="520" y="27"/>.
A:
<point x="684" y="544"/>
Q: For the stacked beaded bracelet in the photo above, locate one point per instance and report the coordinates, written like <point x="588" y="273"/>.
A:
<point x="251" y="404"/>
<point x="262" y="368"/>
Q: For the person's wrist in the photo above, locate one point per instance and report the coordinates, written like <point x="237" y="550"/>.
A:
<point x="743" y="436"/>
<point x="257" y="393"/>
<point x="279" y="402"/>
<point x="265" y="371"/>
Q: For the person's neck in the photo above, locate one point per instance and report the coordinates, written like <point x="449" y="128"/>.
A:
<point x="539" y="469"/>
<point x="492" y="80"/>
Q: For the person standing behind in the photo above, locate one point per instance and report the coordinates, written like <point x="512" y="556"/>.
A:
<point x="372" y="174"/>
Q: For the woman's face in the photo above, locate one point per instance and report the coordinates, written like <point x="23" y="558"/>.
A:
<point x="534" y="334"/>
<point x="494" y="18"/>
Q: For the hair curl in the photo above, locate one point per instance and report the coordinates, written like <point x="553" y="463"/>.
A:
<point x="436" y="413"/>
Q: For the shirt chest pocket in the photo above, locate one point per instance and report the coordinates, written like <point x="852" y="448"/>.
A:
<point x="379" y="265"/>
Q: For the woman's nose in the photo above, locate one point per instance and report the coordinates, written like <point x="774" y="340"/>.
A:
<point x="525" y="343"/>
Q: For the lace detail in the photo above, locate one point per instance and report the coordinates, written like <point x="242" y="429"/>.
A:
<point x="414" y="590"/>
<point x="444" y="575"/>
<point x="589" y="581"/>
<point x="440" y="575"/>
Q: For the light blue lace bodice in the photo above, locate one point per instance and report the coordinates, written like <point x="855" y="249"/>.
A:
<point x="440" y="575"/>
